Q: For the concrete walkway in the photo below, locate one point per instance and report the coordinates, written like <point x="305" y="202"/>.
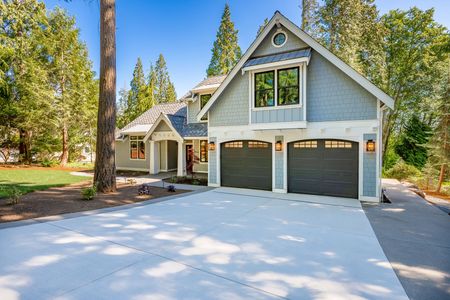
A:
<point x="222" y="244"/>
<point x="415" y="236"/>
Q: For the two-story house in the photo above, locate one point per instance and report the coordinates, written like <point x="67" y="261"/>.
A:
<point x="290" y="117"/>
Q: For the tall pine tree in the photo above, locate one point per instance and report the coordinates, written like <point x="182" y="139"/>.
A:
<point x="309" y="16"/>
<point x="351" y="30"/>
<point x="138" y="92"/>
<point x="226" y="51"/>
<point x="164" y="89"/>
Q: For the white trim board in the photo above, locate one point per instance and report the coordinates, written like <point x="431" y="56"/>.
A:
<point x="279" y="18"/>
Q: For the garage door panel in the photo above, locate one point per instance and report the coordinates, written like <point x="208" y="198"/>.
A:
<point x="323" y="167"/>
<point x="248" y="166"/>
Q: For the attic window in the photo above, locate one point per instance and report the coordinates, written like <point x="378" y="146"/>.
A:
<point x="279" y="39"/>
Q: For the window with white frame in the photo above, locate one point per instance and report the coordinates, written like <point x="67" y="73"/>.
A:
<point x="137" y="147"/>
<point x="278" y="87"/>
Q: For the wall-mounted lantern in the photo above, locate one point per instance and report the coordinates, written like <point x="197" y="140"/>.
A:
<point x="212" y="146"/>
<point x="278" y="146"/>
<point x="370" y="146"/>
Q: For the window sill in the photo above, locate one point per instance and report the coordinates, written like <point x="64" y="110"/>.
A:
<point x="277" y="107"/>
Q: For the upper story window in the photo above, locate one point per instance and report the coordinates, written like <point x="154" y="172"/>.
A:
<point x="203" y="100"/>
<point x="265" y="89"/>
<point x="288" y="87"/>
<point x="137" y="147"/>
<point x="277" y="88"/>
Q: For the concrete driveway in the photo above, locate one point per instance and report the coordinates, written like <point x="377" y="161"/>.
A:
<point x="219" y="244"/>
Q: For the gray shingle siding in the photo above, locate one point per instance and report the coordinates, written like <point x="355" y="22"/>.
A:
<point x="266" y="47"/>
<point x="369" y="169"/>
<point x="333" y="96"/>
<point x="193" y="109"/>
<point x="212" y="162"/>
<point x="231" y="108"/>
<point x="279" y="166"/>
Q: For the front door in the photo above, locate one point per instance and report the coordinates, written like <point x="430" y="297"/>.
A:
<point x="189" y="158"/>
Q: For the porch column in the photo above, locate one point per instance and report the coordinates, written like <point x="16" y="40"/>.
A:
<point x="181" y="168"/>
<point x="154" y="157"/>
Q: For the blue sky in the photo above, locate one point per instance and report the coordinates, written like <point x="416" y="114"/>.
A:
<point x="184" y="30"/>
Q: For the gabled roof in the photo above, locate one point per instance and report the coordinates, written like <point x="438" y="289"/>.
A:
<point x="179" y="126"/>
<point x="150" y="116"/>
<point x="209" y="83"/>
<point x="279" y="18"/>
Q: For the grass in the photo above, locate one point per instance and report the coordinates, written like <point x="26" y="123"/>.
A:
<point x="27" y="180"/>
<point x="81" y="165"/>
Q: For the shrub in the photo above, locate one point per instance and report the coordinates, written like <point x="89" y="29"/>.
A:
<point x="195" y="181"/>
<point x="445" y="189"/>
<point x="48" y="163"/>
<point x="402" y="171"/>
<point x="174" y="179"/>
<point x="13" y="194"/>
<point x="89" y="192"/>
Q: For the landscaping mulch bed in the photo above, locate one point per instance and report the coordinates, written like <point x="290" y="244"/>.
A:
<point x="187" y="180"/>
<point x="62" y="200"/>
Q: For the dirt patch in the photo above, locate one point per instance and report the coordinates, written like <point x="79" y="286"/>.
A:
<point x="62" y="200"/>
<point x="187" y="180"/>
<point x="437" y="195"/>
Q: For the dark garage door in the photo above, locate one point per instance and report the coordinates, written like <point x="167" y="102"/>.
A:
<point x="246" y="164"/>
<point x="323" y="167"/>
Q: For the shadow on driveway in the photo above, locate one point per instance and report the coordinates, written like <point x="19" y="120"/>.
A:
<point x="414" y="235"/>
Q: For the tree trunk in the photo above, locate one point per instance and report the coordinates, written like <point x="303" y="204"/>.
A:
<point x="65" y="146"/>
<point x="441" y="178"/>
<point x="24" y="146"/>
<point x="105" y="167"/>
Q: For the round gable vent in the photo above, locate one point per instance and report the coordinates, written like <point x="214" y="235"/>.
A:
<point x="279" y="39"/>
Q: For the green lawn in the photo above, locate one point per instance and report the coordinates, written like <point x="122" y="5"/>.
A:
<point x="35" y="179"/>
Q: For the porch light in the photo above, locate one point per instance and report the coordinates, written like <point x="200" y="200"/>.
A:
<point x="370" y="146"/>
<point x="212" y="146"/>
<point x="278" y="146"/>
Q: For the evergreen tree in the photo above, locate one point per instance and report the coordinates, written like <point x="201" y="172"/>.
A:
<point x="412" y="143"/>
<point x="71" y="78"/>
<point x="137" y="95"/>
<point x="122" y="118"/>
<point x="309" y="16"/>
<point x="414" y="46"/>
<point x="348" y="28"/>
<point x="25" y="90"/>
<point x="261" y="27"/>
<point x="226" y="51"/>
<point x="151" y="86"/>
<point x="163" y="86"/>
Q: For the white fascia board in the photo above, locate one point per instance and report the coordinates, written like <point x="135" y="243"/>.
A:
<point x="277" y="64"/>
<point x="239" y="65"/>
<point x="205" y="88"/>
